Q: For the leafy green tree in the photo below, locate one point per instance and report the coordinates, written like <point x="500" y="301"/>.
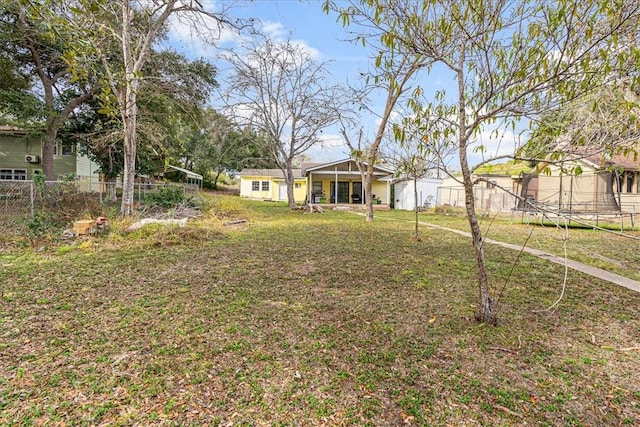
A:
<point x="171" y="98"/>
<point x="509" y="60"/>
<point x="220" y="146"/>
<point x="602" y="124"/>
<point x="128" y="29"/>
<point x="38" y="47"/>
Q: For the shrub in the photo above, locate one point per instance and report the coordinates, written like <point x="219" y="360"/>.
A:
<point x="169" y="197"/>
<point x="41" y="223"/>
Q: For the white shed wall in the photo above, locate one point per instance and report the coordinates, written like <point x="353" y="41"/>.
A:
<point x="427" y="192"/>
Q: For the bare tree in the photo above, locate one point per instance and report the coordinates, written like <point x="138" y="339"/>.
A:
<point x="280" y="90"/>
<point x="133" y="27"/>
<point x="392" y="77"/>
<point x="417" y="153"/>
<point x="509" y="59"/>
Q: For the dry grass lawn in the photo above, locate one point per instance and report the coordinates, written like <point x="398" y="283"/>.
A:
<point x="309" y="319"/>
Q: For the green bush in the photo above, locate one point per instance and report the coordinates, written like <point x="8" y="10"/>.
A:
<point x="169" y="197"/>
<point x="41" y="223"/>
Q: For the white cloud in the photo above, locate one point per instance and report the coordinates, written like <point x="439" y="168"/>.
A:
<point x="492" y="143"/>
<point x="331" y="140"/>
<point x="273" y="30"/>
<point x="277" y="32"/>
<point x="198" y="35"/>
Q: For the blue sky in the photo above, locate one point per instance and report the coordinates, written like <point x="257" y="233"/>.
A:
<point x="326" y="38"/>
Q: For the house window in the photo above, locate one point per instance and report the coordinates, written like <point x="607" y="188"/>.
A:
<point x="65" y="149"/>
<point x="68" y="150"/>
<point x="297" y="185"/>
<point x="629" y="182"/>
<point x="13" y="175"/>
<point x="265" y="185"/>
<point x="317" y="186"/>
<point x="255" y="185"/>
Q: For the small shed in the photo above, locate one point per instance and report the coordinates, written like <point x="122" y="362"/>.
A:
<point x="190" y="176"/>
<point x="427" y="189"/>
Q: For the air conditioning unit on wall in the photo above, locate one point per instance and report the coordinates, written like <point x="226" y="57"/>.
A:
<point x="32" y="158"/>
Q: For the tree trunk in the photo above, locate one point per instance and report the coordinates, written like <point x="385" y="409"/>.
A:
<point x="130" y="144"/>
<point x="215" y="180"/>
<point x="290" y="179"/>
<point x="368" y="199"/>
<point x="485" y="312"/>
<point x="54" y="122"/>
<point x="129" y="173"/>
<point x="48" y="146"/>
<point x="129" y="111"/>
<point x="415" y="205"/>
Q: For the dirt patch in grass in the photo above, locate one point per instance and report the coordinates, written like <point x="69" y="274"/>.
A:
<point x="308" y="320"/>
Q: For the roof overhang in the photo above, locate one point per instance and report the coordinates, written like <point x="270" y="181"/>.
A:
<point x="188" y="173"/>
<point x="317" y="169"/>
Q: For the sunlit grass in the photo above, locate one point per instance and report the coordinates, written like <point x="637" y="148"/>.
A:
<point x="307" y="319"/>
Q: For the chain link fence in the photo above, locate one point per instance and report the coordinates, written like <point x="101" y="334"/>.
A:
<point x="20" y="200"/>
<point x="486" y="199"/>
<point x="17" y="199"/>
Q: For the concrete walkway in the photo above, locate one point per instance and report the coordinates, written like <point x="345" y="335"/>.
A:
<point x="596" y="272"/>
<point x="599" y="273"/>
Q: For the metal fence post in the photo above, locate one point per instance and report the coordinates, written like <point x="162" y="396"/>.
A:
<point x="31" y="196"/>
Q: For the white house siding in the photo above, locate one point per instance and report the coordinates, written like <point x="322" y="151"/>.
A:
<point x="87" y="173"/>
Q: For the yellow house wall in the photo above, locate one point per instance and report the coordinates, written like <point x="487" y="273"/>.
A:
<point x="274" y="188"/>
<point x="380" y="190"/>
<point x="299" y="194"/>
<point x="326" y="187"/>
<point x="246" y="191"/>
<point x="377" y="188"/>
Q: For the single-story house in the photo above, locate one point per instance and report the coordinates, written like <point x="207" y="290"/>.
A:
<point x="269" y="184"/>
<point x="427" y="190"/>
<point x="336" y="182"/>
<point x="341" y="182"/>
<point x="21" y="158"/>
<point x="603" y="184"/>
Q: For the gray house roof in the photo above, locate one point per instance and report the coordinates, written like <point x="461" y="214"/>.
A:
<point x="310" y="167"/>
<point x="276" y="173"/>
<point x="11" y="130"/>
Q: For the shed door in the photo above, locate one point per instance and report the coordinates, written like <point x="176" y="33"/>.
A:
<point x="282" y="191"/>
